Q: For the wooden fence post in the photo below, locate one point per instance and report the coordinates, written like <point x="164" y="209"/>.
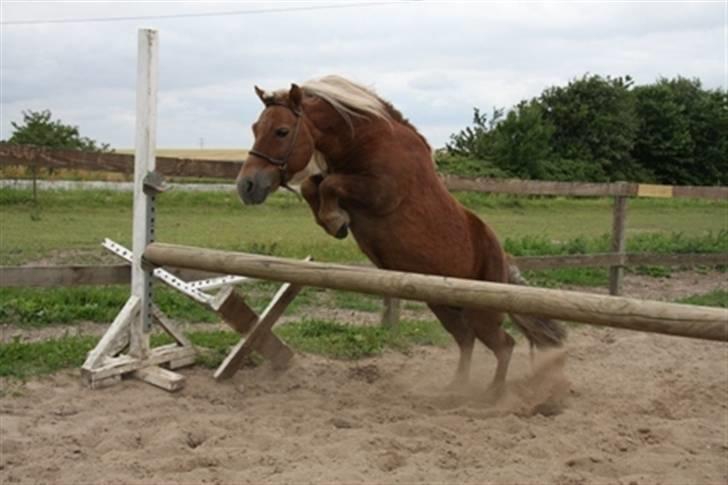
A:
<point x="390" y="313"/>
<point x="618" y="244"/>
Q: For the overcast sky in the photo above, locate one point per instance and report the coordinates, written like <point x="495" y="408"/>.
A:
<point x="433" y="60"/>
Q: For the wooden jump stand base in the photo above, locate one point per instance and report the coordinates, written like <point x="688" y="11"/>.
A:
<point x="107" y="363"/>
<point x="125" y="348"/>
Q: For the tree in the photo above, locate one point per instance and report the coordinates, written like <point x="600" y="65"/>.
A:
<point x="39" y="129"/>
<point x="476" y="142"/>
<point x="521" y="142"/>
<point x="683" y="132"/>
<point x="595" y="122"/>
<point x="601" y="128"/>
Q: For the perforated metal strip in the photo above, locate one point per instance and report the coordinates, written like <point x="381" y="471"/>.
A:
<point x="161" y="274"/>
<point x="218" y="282"/>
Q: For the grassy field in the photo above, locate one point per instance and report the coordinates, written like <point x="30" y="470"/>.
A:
<point x="68" y="226"/>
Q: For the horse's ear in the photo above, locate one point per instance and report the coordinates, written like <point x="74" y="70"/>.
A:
<point x="262" y="95"/>
<point x="295" y="97"/>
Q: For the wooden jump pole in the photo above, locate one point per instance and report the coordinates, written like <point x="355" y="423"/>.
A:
<point x="642" y="315"/>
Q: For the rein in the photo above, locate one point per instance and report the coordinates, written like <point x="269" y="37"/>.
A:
<point x="282" y="163"/>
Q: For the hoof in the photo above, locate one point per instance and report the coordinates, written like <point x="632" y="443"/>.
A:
<point x="342" y="232"/>
<point x="457" y="385"/>
<point x="495" y="392"/>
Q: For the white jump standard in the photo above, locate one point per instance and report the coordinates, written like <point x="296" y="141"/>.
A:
<point x="125" y="347"/>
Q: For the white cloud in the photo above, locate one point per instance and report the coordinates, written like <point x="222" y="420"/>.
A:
<point x="433" y="60"/>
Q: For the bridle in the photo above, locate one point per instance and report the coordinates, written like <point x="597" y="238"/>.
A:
<point x="282" y="163"/>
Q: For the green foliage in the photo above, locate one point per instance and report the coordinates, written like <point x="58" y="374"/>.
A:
<point x="522" y="142"/>
<point x="39" y="307"/>
<point x="38" y="128"/>
<point x="467" y="166"/>
<point x="602" y="129"/>
<point x="594" y="120"/>
<point x="683" y="132"/>
<point x="679" y="242"/>
<point x="475" y="141"/>
<point x="542" y="246"/>
<point x="23" y="359"/>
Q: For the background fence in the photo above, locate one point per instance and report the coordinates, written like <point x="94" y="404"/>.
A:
<point x="34" y="157"/>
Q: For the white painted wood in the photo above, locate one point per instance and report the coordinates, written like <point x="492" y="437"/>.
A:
<point x="125" y="363"/>
<point x="182" y="361"/>
<point x="107" y="382"/>
<point x="116" y="337"/>
<point x="144" y="162"/>
<point x="162" y="378"/>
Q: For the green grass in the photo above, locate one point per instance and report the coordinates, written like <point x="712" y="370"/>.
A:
<point x="339" y="341"/>
<point x="68" y="226"/>
<point x="33" y="307"/>
<point x="357" y="301"/>
<point x="553" y="278"/>
<point x="25" y="359"/>
<point x="36" y="307"/>
<point x="717" y="298"/>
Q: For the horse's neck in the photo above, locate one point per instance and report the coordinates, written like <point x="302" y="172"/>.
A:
<point x="343" y="144"/>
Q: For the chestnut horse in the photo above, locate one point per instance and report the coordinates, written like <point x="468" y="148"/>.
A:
<point x="377" y="179"/>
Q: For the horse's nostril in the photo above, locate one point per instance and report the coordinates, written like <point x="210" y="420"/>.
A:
<point x="247" y="185"/>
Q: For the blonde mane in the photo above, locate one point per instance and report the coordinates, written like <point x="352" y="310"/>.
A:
<point x="347" y="98"/>
<point x="351" y="99"/>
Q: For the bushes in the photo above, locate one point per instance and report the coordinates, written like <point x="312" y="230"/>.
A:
<point x="601" y="129"/>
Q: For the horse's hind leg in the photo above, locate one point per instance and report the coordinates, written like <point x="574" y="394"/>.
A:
<point x="452" y="318"/>
<point x="487" y="327"/>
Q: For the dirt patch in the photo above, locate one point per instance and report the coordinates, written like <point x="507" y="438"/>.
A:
<point x="617" y="407"/>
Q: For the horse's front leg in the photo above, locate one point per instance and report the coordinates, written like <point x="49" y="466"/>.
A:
<point x="329" y="213"/>
<point x="376" y="195"/>
<point x="312" y="195"/>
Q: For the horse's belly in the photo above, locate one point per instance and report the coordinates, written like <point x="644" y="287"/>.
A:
<point x="419" y="246"/>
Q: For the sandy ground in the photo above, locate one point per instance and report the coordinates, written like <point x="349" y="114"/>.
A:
<point x="617" y="407"/>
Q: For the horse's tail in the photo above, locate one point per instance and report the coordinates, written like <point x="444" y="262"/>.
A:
<point x="540" y="332"/>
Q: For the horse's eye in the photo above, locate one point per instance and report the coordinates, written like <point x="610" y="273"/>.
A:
<point x="281" y="132"/>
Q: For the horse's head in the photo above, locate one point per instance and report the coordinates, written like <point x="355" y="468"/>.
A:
<point x="283" y="145"/>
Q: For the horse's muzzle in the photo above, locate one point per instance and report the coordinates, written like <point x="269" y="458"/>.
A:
<point x="254" y="189"/>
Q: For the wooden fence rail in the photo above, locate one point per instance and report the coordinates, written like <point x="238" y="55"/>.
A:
<point x="118" y="274"/>
<point x="643" y="315"/>
<point x="30" y="156"/>
<point x="25" y="155"/>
